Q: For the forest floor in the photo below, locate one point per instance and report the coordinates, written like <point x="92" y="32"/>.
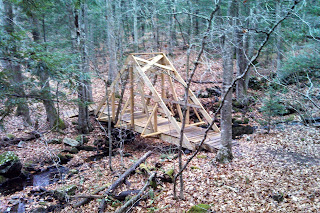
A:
<point x="274" y="172"/>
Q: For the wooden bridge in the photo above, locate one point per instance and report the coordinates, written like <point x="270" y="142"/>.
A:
<point x="152" y="107"/>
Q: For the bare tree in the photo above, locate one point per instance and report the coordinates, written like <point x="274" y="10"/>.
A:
<point x="111" y="40"/>
<point x="11" y="64"/>
<point x="225" y="152"/>
<point x="84" y="125"/>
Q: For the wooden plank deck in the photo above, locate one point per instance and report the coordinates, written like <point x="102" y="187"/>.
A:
<point x="74" y="111"/>
<point x="168" y="132"/>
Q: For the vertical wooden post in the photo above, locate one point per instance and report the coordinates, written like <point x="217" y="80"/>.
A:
<point x="188" y="116"/>
<point x="155" y="119"/>
<point x="163" y="92"/>
<point x="162" y="86"/>
<point x="131" y="97"/>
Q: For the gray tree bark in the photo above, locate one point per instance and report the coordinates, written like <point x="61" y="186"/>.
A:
<point x="241" y="90"/>
<point x="278" y="37"/>
<point x="172" y="31"/>
<point x="43" y="73"/>
<point x="135" y="26"/>
<point x="112" y="49"/>
<point x="224" y="154"/>
<point x="250" y="38"/>
<point x="11" y="65"/>
<point x="84" y="125"/>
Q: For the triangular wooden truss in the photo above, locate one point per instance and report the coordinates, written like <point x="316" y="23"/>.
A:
<point x="153" y="107"/>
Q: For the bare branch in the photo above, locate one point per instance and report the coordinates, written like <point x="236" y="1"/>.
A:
<point x="233" y="83"/>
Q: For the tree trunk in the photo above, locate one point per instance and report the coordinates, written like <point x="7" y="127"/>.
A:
<point x="84" y="125"/>
<point x="112" y="50"/>
<point x="43" y="73"/>
<point x="278" y="37"/>
<point x="250" y="45"/>
<point x="224" y="154"/>
<point x="241" y="91"/>
<point x="135" y="26"/>
<point x="45" y="92"/>
<point x="172" y="31"/>
<point x="12" y="66"/>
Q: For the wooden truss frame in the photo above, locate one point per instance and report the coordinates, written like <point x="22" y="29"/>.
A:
<point x="155" y="104"/>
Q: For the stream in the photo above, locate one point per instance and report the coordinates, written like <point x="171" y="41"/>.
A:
<point x="41" y="179"/>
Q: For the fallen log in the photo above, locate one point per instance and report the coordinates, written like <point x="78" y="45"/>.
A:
<point x="133" y="200"/>
<point x="122" y="196"/>
<point x="87" y="196"/>
<point x="88" y="199"/>
<point x="32" y="135"/>
<point x="121" y="179"/>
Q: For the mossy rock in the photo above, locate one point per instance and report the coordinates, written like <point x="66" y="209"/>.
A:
<point x="3" y="179"/>
<point x="199" y="208"/>
<point x="65" y="158"/>
<point x="55" y="141"/>
<point x="82" y="139"/>
<point x="170" y="172"/>
<point x="69" y="190"/>
<point x="73" y="150"/>
<point x="10" y="165"/>
<point x="60" y="124"/>
<point x="144" y="168"/>
<point x="87" y="148"/>
<point x="194" y="167"/>
<point x="71" y="142"/>
<point x="73" y="171"/>
<point x="10" y="136"/>
<point x="238" y="122"/>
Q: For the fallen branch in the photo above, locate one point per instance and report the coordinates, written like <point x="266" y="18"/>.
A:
<point x="88" y="199"/>
<point x="87" y="196"/>
<point x="121" y="179"/>
<point x="133" y="200"/>
<point x="33" y="135"/>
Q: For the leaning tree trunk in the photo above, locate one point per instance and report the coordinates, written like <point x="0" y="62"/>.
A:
<point x="14" y="67"/>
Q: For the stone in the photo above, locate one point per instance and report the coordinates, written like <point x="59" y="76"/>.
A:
<point x="214" y="91"/>
<point x="55" y="141"/>
<point x="73" y="171"/>
<point x="203" y="94"/>
<point x="87" y="148"/>
<point x="65" y="158"/>
<point x="3" y="179"/>
<point x="82" y="139"/>
<point x="69" y="190"/>
<point x="73" y="150"/>
<point x="238" y="130"/>
<point x="10" y="165"/>
<point x="21" y="144"/>
<point x="71" y="142"/>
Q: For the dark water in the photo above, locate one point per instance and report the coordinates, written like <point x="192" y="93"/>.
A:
<point x="48" y="177"/>
<point x="41" y="179"/>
